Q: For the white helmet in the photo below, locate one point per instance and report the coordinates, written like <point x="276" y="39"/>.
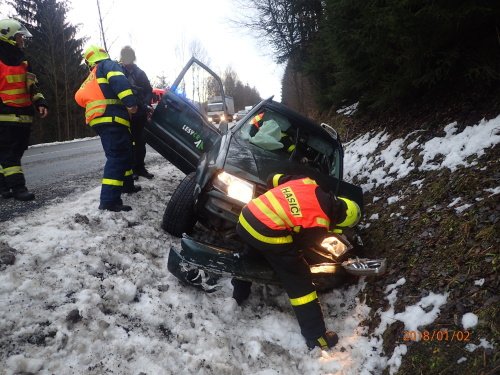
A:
<point x="9" y="28"/>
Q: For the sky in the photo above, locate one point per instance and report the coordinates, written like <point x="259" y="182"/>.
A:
<point x="109" y="270"/>
<point x="157" y="29"/>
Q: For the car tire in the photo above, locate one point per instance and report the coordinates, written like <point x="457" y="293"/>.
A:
<point x="179" y="216"/>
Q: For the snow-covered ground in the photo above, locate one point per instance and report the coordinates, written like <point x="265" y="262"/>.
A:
<point x="90" y="293"/>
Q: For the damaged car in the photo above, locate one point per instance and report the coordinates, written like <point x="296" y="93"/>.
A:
<point x="227" y="167"/>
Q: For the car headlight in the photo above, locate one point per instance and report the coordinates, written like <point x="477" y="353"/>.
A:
<point x="234" y="187"/>
<point x="223" y="118"/>
<point x="337" y="245"/>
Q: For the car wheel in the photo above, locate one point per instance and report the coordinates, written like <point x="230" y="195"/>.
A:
<point x="179" y="216"/>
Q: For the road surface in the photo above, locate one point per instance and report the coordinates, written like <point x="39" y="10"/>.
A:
<point x="56" y="170"/>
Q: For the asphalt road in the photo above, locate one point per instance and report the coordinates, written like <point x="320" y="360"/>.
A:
<point x="54" y="171"/>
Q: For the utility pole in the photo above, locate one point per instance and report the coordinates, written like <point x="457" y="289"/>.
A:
<point x="101" y="26"/>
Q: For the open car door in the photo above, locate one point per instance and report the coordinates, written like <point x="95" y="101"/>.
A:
<point x="179" y="129"/>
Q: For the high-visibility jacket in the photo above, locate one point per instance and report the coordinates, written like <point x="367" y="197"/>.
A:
<point x="286" y="209"/>
<point x="105" y="94"/>
<point x="14" y="85"/>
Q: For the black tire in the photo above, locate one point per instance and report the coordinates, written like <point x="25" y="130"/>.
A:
<point x="179" y="216"/>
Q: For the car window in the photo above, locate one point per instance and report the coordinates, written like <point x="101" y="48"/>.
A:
<point x="274" y="132"/>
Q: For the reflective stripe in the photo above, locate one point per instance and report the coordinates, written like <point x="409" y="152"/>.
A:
<point x="322" y="221"/>
<point x="278" y="208"/>
<point x="304" y="299"/>
<point x="308" y="181"/>
<point x="15" y="78"/>
<point x="17" y="118"/>
<point x="14" y="91"/>
<point x="269" y="213"/>
<point x="100" y="110"/>
<point x="276" y="179"/>
<point x="114" y="73"/>
<point x="291" y="148"/>
<point x="125" y="93"/>
<point x="108" y="181"/>
<point x="103" y="101"/>
<point x="12" y="170"/>
<point x="130" y="172"/>
<point x="102" y="80"/>
<point x="322" y="342"/>
<point x="18" y="101"/>
<point x="100" y="120"/>
<point x="262" y="238"/>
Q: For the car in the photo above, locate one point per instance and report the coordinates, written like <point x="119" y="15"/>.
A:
<point x="225" y="168"/>
<point x="240" y="114"/>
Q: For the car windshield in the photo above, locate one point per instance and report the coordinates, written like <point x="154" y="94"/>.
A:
<point x="274" y="132"/>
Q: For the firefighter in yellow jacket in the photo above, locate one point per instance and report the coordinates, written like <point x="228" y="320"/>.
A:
<point x="108" y="100"/>
<point x="19" y="98"/>
<point x="281" y="222"/>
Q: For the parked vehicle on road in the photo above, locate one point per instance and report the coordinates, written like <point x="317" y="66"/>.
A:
<point x="220" y="110"/>
<point x="225" y="168"/>
<point x="240" y="114"/>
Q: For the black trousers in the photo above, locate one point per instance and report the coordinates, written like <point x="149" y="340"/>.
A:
<point x="293" y="271"/>
<point x="137" y="124"/>
<point x="14" y="140"/>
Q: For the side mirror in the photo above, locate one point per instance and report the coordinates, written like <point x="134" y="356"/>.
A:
<point x="223" y="127"/>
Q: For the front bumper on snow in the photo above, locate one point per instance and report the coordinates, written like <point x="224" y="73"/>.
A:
<point x="196" y="256"/>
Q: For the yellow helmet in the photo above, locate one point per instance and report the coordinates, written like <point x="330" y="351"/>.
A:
<point x="9" y="28"/>
<point x="93" y="54"/>
<point x="352" y="214"/>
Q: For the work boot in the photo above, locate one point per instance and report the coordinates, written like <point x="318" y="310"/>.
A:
<point x="115" y="207"/>
<point x="6" y="193"/>
<point x="144" y="173"/>
<point x="21" y="193"/>
<point x="328" y="340"/>
<point x="131" y="189"/>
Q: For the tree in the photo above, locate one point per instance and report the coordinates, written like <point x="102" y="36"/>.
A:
<point x="55" y="54"/>
<point x="289" y="26"/>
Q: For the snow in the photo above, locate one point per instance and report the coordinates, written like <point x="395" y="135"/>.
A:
<point x="393" y="161"/>
<point x="479" y="282"/>
<point x="469" y="320"/>
<point x="134" y="317"/>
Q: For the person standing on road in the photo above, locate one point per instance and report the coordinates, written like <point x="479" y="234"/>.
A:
<point x="19" y="98"/>
<point x="278" y="224"/>
<point x="109" y="102"/>
<point x="142" y="89"/>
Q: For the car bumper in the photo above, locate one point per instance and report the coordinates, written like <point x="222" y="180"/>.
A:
<point x="226" y="262"/>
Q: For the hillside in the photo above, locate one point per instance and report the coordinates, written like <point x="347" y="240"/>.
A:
<point x="432" y="209"/>
<point x="88" y="292"/>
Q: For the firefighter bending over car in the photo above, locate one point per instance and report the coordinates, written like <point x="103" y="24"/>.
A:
<point x="19" y="98"/>
<point x="279" y="224"/>
<point x="109" y="102"/>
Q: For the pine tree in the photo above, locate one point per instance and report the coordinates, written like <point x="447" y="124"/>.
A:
<point x="55" y="54"/>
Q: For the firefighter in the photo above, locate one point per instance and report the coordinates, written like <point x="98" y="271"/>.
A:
<point x="109" y="102"/>
<point x="19" y="98"/>
<point x="278" y="224"/>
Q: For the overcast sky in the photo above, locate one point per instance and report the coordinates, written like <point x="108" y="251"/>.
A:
<point x="156" y="29"/>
